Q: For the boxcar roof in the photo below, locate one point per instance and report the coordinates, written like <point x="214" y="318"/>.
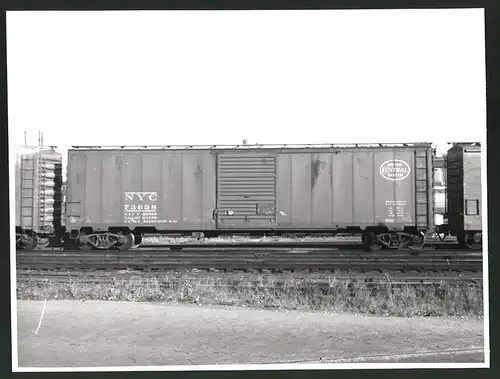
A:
<point x="467" y="144"/>
<point x="36" y="150"/>
<point x="256" y="146"/>
<point x="465" y="147"/>
<point x="36" y="147"/>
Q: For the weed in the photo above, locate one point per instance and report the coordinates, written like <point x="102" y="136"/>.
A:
<point x="263" y="291"/>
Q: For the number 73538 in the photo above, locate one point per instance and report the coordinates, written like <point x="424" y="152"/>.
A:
<point x="140" y="207"/>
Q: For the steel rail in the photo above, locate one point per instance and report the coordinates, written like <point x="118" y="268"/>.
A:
<point x="254" y="247"/>
<point x="270" y="244"/>
<point x="41" y="278"/>
<point x="249" y="273"/>
<point x="252" y="275"/>
<point x="254" y="257"/>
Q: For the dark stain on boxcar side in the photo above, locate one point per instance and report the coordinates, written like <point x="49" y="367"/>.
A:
<point x="316" y="165"/>
<point x="198" y="174"/>
<point x="73" y="164"/>
<point x="118" y="163"/>
<point x="360" y="163"/>
<point x="331" y="173"/>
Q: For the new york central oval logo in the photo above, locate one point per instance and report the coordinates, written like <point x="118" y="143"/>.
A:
<point x="395" y="169"/>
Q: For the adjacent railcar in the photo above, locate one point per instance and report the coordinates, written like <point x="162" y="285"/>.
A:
<point x="38" y="209"/>
<point x="383" y="192"/>
<point x="464" y="193"/>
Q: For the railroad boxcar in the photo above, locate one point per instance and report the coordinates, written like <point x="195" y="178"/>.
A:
<point x="464" y="193"/>
<point x="38" y="209"/>
<point x="383" y="192"/>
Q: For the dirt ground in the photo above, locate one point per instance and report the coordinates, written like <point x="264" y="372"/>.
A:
<point x="99" y="333"/>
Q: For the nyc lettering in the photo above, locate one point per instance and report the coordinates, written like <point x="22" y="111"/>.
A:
<point x="141" y="210"/>
<point x="141" y="196"/>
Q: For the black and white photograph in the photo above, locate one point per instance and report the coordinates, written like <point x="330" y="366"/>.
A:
<point x="248" y="190"/>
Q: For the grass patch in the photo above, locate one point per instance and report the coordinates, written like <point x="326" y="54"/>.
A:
<point x="338" y="296"/>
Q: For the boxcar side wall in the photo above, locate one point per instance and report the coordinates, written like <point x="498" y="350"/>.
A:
<point x="165" y="190"/>
<point x="472" y="189"/>
<point x="355" y="188"/>
<point x="283" y="189"/>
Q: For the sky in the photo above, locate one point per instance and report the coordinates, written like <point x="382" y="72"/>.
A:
<point x="218" y="77"/>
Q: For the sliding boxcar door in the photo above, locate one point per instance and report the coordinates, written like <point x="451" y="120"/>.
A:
<point x="246" y="190"/>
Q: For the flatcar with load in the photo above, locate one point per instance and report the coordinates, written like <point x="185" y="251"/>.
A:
<point x="383" y="192"/>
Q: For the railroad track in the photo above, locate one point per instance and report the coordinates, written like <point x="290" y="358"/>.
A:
<point x="209" y="278"/>
<point x="341" y="244"/>
<point x="253" y="257"/>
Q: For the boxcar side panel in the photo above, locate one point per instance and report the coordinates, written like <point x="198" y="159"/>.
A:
<point x="168" y="190"/>
<point x="472" y="189"/>
<point x="320" y="169"/>
<point x="354" y="188"/>
<point x="342" y="189"/>
<point x="94" y="203"/>
<point x="365" y="207"/>
<point x="111" y="189"/>
<point x="300" y="207"/>
<point x="308" y="194"/>
<point x="283" y="190"/>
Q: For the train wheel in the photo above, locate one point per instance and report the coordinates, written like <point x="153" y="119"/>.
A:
<point x="137" y="241"/>
<point x="126" y="241"/>
<point x="42" y="243"/>
<point x="475" y="242"/>
<point x="27" y="241"/>
<point x="475" y="246"/>
<point x="86" y="246"/>
<point x="417" y="243"/>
